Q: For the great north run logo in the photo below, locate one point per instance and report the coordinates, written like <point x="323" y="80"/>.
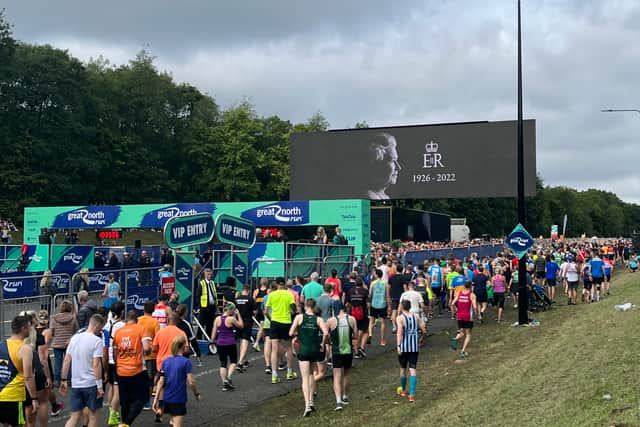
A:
<point x="176" y="212"/>
<point x="137" y="301"/>
<point x="11" y="286"/>
<point x="89" y="218"/>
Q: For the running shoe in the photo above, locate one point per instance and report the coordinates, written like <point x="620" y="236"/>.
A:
<point x="114" y="418"/>
<point x="282" y="366"/>
<point x="241" y="369"/>
<point x="275" y="380"/>
<point x="225" y="387"/>
<point x="312" y="407"/>
<point x="338" y="407"/>
<point x="345" y="400"/>
<point x="412" y="399"/>
<point x="230" y="383"/>
<point x="146" y="407"/>
<point x="267" y="370"/>
<point x="256" y="347"/>
<point x="463" y="354"/>
<point x="199" y="362"/>
<point x="246" y="364"/>
<point x="58" y="409"/>
<point x="307" y="413"/>
<point x="454" y="344"/>
<point x="362" y="353"/>
<point x="292" y="376"/>
<point x="393" y="329"/>
<point x="158" y="419"/>
<point x="401" y="392"/>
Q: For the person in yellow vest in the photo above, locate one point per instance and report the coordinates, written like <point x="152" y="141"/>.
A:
<point x="16" y="373"/>
<point x="206" y="300"/>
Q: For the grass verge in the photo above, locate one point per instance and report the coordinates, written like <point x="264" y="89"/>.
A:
<point x="556" y="374"/>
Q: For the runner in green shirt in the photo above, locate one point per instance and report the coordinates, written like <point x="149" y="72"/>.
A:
<point x="307" y="327"/>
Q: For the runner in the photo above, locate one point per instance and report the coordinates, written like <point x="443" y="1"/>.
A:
<point x="258" y="297"/>
<point x="42" y="376"/>
<point x="498" y="283"/>
<point x="176" y="372"/>
<point x="114" y="322"/>
<point x="572" y="276"/>
<point x="335" y="281"/>
<point x="409" y="342"/>
<point x="162" y="310"/>
<point x="181" y="310"/>
<point x="267" y="331"/>
<point x="608" y="271"/>
<point x="552" y="271"/>
<point x="397" y="285"/>
<point x="466" y="302"/>
<point x="129" y="345"/>
<point x="247" y="308"/>
<point x="435" y="275"/>
<point x="280" y="305"/>
<point x="358" y="297"/>
<point x="456" y="281"/>
<point x="341" y="327"/>
<point x="151" y="327"/>
<point x="597" y="270"/>
<point x="162" y="345"/>
<point x="414" y="298"/>
<point x="225" y="340"/>
<point x="380" y="297"/>
<point x="307" y="328"/>
<point x="84" y="358"/>
<point x="480" y="281"/>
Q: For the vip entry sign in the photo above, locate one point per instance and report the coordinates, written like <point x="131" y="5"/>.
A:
<point x="189" y="230"/>
<point x="235" y="231"/>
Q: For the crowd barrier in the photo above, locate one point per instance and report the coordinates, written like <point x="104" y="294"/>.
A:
<point x="418" y="257"/>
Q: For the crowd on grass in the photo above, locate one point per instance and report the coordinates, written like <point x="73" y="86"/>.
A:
<point x="134" y="363"/>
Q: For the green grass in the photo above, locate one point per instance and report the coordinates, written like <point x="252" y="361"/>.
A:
<point x="552" y="375"/>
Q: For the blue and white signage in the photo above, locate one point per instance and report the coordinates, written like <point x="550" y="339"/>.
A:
<point x="236" y="231"/>
<point x="281" y="213"/>
<point x="520" y="241"/>
<point x="88" y="216"/>
<point x="158" y="217"/>
<point x="190" y="230"/>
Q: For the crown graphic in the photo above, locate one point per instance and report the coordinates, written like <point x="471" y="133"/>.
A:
<point x="431" y="147"/>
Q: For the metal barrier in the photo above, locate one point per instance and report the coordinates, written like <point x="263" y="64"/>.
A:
<point x="342" y="267"/>
<point x="288" y="265"/>
<point x="73" y="298"/>
<point x="143" y="278"/>
<point x="10" y="307"/>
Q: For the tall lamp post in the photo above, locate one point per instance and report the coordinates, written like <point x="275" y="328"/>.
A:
<point x="620" y="111"/>
<point x="523" y="317"/>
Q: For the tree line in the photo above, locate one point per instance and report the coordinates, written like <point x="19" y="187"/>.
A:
<point x="74" y="133"/>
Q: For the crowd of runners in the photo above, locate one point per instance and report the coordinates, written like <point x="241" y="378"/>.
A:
<point x="130" y="362"/>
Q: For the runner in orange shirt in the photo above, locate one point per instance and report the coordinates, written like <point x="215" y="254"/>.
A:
<point x="151" y="327"/>
<point x="129" y="345"/>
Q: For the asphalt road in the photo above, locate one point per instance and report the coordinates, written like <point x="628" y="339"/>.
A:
<point x="252" y="387"/>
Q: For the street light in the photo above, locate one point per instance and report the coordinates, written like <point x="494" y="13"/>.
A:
<point x="619" y="111"/>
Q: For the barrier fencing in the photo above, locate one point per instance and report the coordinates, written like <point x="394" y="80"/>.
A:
<point x="11" y="307"/>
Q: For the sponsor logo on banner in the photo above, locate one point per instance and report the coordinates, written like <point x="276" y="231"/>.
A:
<point x="133" y="275"/>
<point x="11" y="286"/>
<point x="239" y="270"/>
<point x="282" y="213"/>
<point x="184" y="271"/>
<point x="76" y="259"/>
<point x="60" y="281"/>
<point x="137" y="301"/>
<point x="99" y="278"/>
<point x="158" y="217"/>
<point x="89" y="216"/>
<point x="35" y="258"/>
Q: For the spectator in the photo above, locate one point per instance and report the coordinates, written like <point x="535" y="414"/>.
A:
<point x="63" y="326"/>
<point x="47" y="288"/>
<point x="339" y="239"/>
<point x="144" y="262"/>
<point x="111" y="292"/>
<point x="98" y="260"/>
<point x="114" y="262"/>
<point x="320" y="237"/>
<point x="127" y="261"/>
<point x="81" y="281"/>
<point x="166" y="257"/>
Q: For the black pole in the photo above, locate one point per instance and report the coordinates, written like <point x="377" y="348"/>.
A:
<point x="523" y="317"/>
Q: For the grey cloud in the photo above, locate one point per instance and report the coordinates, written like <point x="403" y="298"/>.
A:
<point x="391" y="63"/>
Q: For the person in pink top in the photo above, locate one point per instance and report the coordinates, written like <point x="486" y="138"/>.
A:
<point x="465" y="301"/>
<point x="296" y="295"/>
<point x="499" y="283"/>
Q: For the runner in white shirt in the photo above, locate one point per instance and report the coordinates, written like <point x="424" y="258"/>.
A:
<point x="414" y="297"/>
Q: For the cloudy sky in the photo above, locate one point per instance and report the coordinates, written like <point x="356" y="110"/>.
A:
<point x="390" y="63"/>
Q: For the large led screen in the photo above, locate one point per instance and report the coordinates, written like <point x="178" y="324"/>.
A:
<point x="458" y="160"/>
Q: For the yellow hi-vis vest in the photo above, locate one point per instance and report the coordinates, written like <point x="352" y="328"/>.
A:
<point x="204" y="297"/>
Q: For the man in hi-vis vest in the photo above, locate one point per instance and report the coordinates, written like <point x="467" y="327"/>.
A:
<point x="206" y="300"/>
